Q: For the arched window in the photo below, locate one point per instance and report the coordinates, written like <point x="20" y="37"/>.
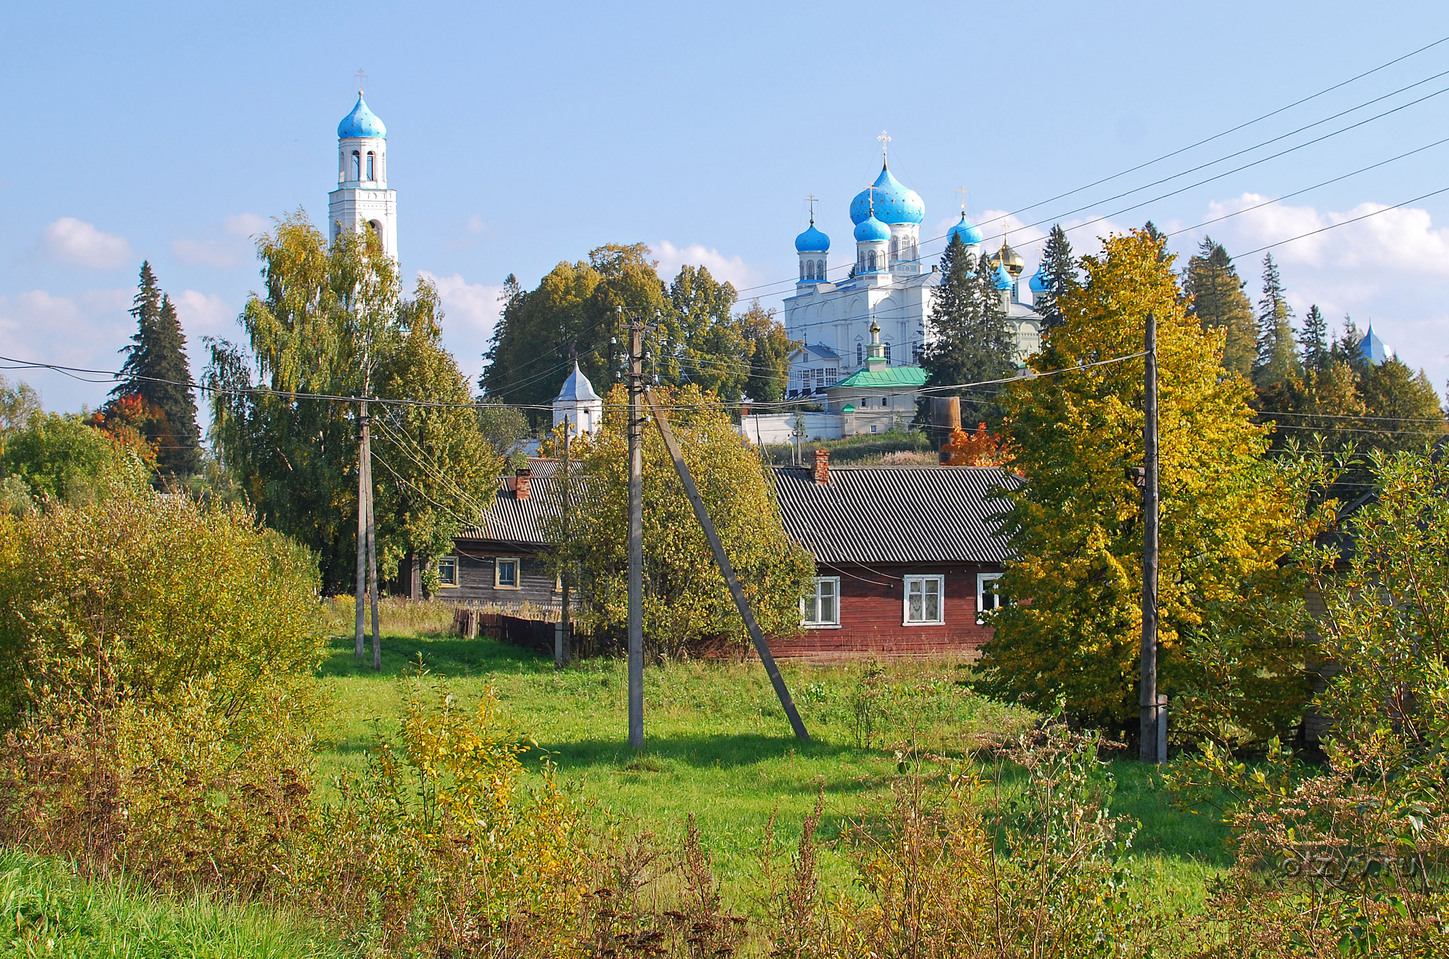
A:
<point x="336" y="229"/>
<point x="820" y="270"/>
<point x="859" y="353"/>
<point x="888" y="353"/>
<point x="870" y="261"/>
<point x="802" y="272"/>
<point x="895" y="247"/>
<point x="371" y="165"/>
<point x="356" y="165"/>
<point x="809" y="269"/>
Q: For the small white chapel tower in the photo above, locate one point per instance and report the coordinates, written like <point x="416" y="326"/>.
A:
<point x="362" y="199"/>
<point x="578" y="405"/>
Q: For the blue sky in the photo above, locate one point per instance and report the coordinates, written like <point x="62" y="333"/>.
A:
<point x="521" y="135"/>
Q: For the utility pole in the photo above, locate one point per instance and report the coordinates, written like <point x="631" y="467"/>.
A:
<point x="366" y="540"/>
<point x="636" y="534"/>
<point x="1153" y="707"/>
<point x="562" y="640"/>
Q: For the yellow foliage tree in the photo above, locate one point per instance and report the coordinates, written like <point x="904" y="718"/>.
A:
<point x="1232" y="644"/>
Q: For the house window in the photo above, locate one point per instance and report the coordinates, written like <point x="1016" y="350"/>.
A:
<point x="448" y="571"/>
<point x="923" y="600"/>
<point x="988" y="597"/>
<point x="505" y="572"/>
<point x="821" y="606"/>
<point x="830" y="377"/>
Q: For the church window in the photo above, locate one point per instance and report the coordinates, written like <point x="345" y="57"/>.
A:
<point x="870" y="261"/>
<point x="820" y="270"/>
<point x="371" y="165"/>
<point x="809" y="269"/>
<point x="802" y="272"/>
<point x="895" y="247"/>
<point x="356" y="165"/>
<point x="859" y="354"/>
<point x="888" y="353"/>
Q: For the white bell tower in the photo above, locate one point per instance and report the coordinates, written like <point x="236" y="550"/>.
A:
<point x="362" y="200"/>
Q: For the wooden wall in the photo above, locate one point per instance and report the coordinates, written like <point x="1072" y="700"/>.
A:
<point x="872" y="610"/>
<point x="476" y="577"/>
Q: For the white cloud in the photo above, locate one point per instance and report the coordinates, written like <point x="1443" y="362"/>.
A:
<point x="470" y="311"/>
<point x="246" y="225"/>
<point x="85" y="330"/>
<point x="732" y="269"/>
<point x="232" y="246"/>
<point x="77" y="241"/>
<point x="203" y="313"/>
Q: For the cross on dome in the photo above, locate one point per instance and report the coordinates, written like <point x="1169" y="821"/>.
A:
<point x="885" y="145"/>
<point x="361" y="77"/>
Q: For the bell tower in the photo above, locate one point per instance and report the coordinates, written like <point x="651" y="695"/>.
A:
<point x="362" y="200"/>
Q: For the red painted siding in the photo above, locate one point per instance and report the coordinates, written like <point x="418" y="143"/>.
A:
<point x="872" y="613"/>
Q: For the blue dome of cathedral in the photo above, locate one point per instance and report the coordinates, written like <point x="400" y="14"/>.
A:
<point x="1003" y="278"/>
<point x="894" y="201"/>
<point x="871" y="229"/>
<point x="968" y="233"/>
<point x="361" y="122"/>
<point x="1038" y="282"/>
<point x="812" y="241"/>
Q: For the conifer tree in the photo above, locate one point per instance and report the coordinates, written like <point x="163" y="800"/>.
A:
<point x="1060" y="271"/>
<point x="1218" y="303"/>
<point x="970" y="339"/>
<point x="1277" y="359"/>
<point x="156" y="370"/>
<point x="1314" y="342"/>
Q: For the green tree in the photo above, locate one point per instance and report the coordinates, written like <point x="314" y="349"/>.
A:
<point x="970" y="341"/>
<point x="1401" y="409"/>
<point x="18" y="404"/>
<point x="1277" y="360"/>
<point x="1218" y="303"/>
<point x="1314" y="341"/>
<point x="1232" y="652"/>
<point x="715" y="350"/>
<point x="503" y="427"/>
<point x="770" y="349"/>
<point x="157" y="370"/>
<point x="685" y="598"/>
<point x="332" y="322"/>
<point x="1061" y="275"/>
<point x="60" y="459"/>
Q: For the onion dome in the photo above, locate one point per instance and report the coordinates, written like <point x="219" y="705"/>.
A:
<point x="969" y="234"/>
<point x="1003" y="279"/>
<point x="577" y="388"/>
<point x="1038" y="282"/>
<point x="812" y="240"/>
<point x="871" y="230"/>
<point x="361" y="122"/>
<point x="1373" y="350"/>
<point x="1009" y="259"/>
<point x="894" y="201"/>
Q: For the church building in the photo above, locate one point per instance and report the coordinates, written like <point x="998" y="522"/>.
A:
<point x="887" y="286"/>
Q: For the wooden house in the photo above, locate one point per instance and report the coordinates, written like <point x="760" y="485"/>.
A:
<point x="907" y="558"/>
<point x="502" y="561"/>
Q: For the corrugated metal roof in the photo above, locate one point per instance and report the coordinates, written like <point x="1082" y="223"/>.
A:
<point x="900" y="514"/>
<point x="890" y="376"/>
<point x="521" y="522"/>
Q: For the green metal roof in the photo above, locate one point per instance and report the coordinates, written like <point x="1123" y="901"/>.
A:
<point x="889" y="378"/>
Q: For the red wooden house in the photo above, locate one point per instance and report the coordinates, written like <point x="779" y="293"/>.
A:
<point x="906" y="557"/>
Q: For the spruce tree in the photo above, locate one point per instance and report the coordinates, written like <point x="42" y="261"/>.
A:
<point x="1314" y="341"/>
<point x="1060" y="271"/>
<point x="1218" y="302"/>
<point x="970" y="338"/>
<point x="1277" y="360"/>
<point x="156" y="370"/>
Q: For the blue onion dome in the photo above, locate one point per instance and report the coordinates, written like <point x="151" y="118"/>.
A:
<point x="871" y="230"/>
<point x="968" y="233"/>
<point x="1038" y="282"/>
<point x="812" y="241"/>
<point x="361" y="122"/>
<point x="1373" y="350"/>
<point x="894" y="201"/>
<point x="1003" y="278"/>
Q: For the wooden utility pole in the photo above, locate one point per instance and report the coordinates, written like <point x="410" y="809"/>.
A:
<point x="636" y="535"/>
<point x="562" y="640"/>
<point x="366" y="540"/>
<point x="727" y="571"/>
<point x="1153" y="707"/>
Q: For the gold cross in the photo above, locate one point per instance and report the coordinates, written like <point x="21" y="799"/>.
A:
<point x="962" y="190"/>
<point x="811" y="200"/>
<point x="885" y="145"/>
<point x="360" y="77"/>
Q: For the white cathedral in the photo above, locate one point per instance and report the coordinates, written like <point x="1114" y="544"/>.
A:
<point x="362" y="200"/>
<point x="886" y="285"/>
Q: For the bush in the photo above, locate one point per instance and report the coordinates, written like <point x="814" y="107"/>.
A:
<point x="157" y="677"/>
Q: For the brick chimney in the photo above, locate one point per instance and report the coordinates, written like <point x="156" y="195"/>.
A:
<point x="521" y="482"/>
<point x="822" y="466"/>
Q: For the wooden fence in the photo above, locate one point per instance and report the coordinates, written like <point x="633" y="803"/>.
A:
<point x="538" y="635"/>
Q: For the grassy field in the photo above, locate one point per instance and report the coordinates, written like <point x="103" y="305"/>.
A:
<point x="718" y="745"/>
<point x="46" y="910"/>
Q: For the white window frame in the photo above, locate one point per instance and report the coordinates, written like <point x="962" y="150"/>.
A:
<point x="981" y="580"/>
<point x="516" y="563"/>
<point x="921" y="581"/>
<point x="442" y="580"/>
<point x="810" y="604"/>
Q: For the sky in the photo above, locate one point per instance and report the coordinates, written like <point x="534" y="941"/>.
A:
<point x="522" y="135"/>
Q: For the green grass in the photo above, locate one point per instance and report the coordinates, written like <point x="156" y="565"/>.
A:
<point x="717" y="745"/>
<point x="46" y="910"/>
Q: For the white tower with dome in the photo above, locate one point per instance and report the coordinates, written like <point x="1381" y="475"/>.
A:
<point x="362" y="200"/>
